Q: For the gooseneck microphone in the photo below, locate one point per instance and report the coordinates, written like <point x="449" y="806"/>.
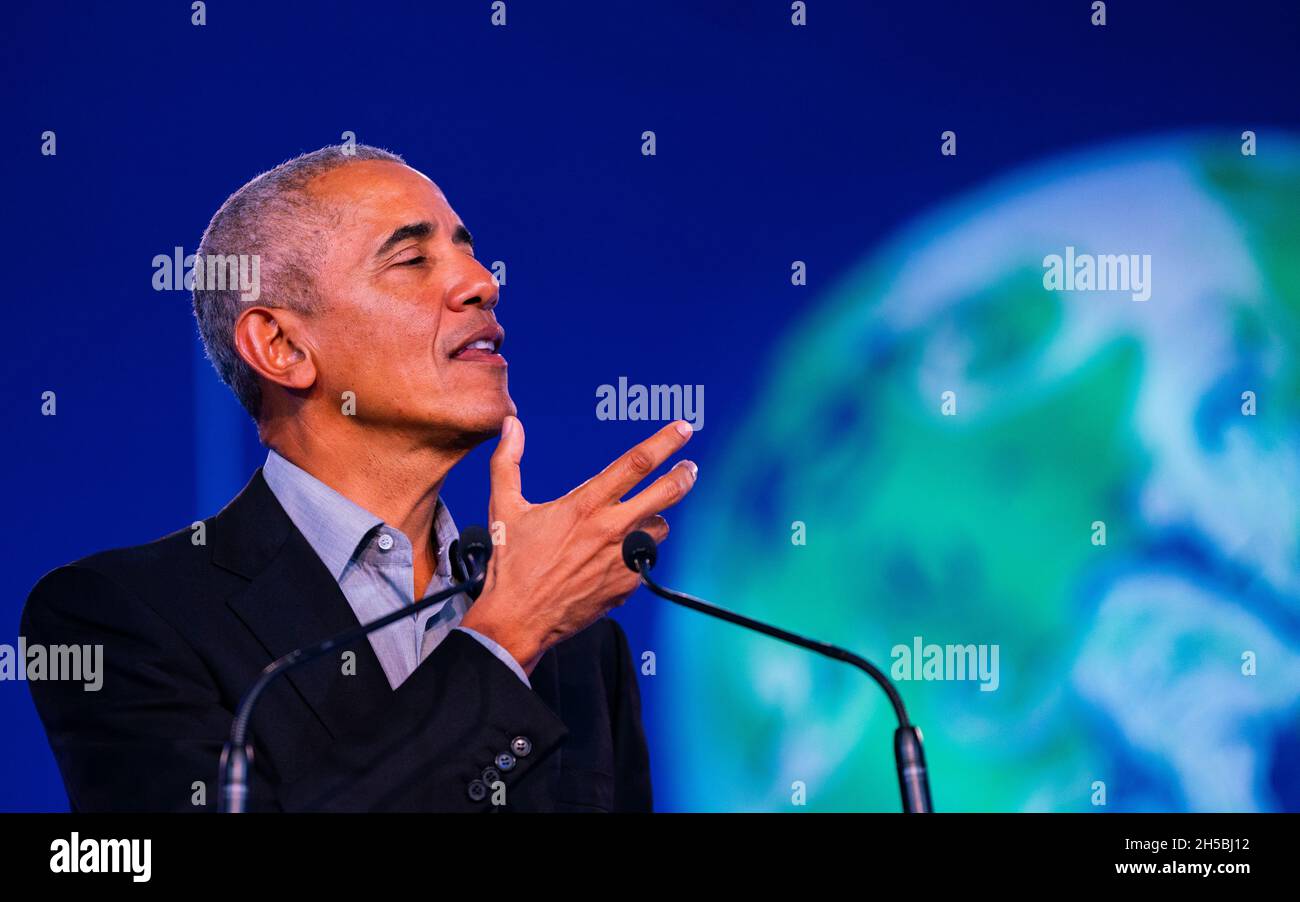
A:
<point x="640" y="554"/>
<point x="469" y="557"/>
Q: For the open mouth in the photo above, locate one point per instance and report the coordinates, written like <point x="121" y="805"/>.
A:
<point x="483" y="346"/>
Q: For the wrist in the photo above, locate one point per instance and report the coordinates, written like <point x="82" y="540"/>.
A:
<point x="523" y="648"/>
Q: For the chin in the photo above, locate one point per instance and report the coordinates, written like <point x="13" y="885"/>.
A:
<point x="471" y="427"/>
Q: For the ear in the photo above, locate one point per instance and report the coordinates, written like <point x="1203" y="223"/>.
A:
<point x="275" y="344"/>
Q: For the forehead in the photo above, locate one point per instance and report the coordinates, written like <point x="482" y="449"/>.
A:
<point x="377" y="196"/>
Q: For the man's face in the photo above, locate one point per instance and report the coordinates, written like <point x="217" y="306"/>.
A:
<point x="406" y="320"/>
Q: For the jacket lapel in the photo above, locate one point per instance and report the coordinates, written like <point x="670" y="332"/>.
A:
<point x="292" y="601"/>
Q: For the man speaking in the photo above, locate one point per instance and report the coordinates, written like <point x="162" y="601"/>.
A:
<point x="371" y="362"/>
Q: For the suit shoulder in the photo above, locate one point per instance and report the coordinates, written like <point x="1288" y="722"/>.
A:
<point x="170" y="551"/>
<point x="131" y="571"/>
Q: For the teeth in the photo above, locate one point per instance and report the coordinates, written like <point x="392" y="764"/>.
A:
<point x="480" y="345"/>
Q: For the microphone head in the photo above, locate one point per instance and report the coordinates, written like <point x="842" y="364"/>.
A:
<point x="476" y="545"/>
<point x="476" y="541"/>
<point x="469" y="557"/>
<point x="639" y="551"/>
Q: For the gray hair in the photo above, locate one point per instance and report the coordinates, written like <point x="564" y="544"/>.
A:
<point x="271" y="217"/>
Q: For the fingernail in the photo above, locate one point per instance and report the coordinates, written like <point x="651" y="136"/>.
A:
<point x="695" y="471"/>
<point x="684" y="428"/>
<point x="507" y="426"/>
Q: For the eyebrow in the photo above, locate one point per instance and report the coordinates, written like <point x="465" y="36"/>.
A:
<point x="423" y="230"/>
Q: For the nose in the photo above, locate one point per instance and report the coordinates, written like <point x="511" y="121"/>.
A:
<point x="475" y="288"/>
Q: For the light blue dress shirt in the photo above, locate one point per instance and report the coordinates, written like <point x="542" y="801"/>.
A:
<point x="373" y="565"/>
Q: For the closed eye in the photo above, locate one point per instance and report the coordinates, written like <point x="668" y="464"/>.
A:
<point x="414" y="261"/>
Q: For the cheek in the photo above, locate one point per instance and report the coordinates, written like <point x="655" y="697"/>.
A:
<point x="384" y="340"/>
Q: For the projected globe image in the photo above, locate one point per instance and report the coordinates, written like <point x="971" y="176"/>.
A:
<point x="1157" y="671"/>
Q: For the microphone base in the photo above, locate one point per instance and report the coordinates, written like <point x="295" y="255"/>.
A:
<point x="232" y="794"/>
<point x="913" y="779"/>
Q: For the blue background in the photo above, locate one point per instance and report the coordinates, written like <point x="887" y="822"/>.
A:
<point x="774" y="144"/>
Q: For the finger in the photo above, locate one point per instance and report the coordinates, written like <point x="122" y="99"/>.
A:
<point x="507" y="485"/>
<point x="623" y="474"/>
<point x="664" y="492"/>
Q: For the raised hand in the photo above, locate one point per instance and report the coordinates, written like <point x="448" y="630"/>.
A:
<point x="560" y="567"/>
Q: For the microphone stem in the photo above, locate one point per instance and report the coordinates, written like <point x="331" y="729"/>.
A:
<point x="909" y="758"/>
<point x="822" y="648"/>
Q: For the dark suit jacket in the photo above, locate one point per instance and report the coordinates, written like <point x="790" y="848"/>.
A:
<point x="186" y="629"/>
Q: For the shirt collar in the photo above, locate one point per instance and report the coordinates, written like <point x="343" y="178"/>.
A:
<point x="334" y="525"/>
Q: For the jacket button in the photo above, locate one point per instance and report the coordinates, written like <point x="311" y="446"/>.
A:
<point x="477" y="791"/>
<point x="505" y="761"/>
<point x="522" y="746"/>
<point x="491" y="775"/>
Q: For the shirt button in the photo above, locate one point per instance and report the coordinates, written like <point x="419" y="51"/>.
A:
<point x="477" y="791"/>
<point x="522" y="746"/>
<point x="505" y="761"/>
<point x="491" y="775"/>
<point x="385" y="541"/>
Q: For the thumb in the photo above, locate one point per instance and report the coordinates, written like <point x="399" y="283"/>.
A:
<point x="506" y="481"/>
